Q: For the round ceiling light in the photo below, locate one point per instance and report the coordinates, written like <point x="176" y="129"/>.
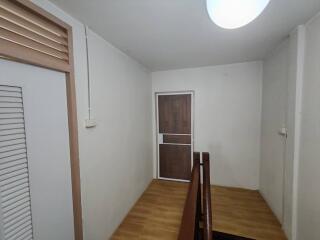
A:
<point x="231" y="14"/>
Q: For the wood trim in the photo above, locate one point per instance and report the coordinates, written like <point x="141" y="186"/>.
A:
<point x="188" y="228"/>
<point x="74" y="144"/>
<point x="31" y="27"/>
<point x="25" y="42"/>
<point x="192" y="213"/>
<point x="26" y="55"/>
<point x="15" y="52"/>
<point x="37" y="19"/>
<point x="207" y="215"/>
<point x="181" y="139"/>
<point x="5" y="24"/>
<point x="196" y="161"/>
<point x="43" y="13"/>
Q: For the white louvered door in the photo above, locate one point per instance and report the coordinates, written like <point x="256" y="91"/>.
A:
<point x="35" y="173"/>
<point x="14" y="172"/>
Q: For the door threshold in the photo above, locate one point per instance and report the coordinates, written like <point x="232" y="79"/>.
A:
<point x="174" y="180"/>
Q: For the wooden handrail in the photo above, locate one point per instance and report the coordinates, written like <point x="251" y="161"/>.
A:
<point x="207" y="215"/>
<point x="192" y="213"/>
<point x="189" y="229"/>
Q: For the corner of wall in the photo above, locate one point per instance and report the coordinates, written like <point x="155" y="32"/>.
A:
<point x="299" y="90"/>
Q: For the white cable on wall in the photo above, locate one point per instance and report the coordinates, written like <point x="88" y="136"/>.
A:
<point x="90" y="122"/>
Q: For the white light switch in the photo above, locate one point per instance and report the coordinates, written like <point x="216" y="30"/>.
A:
<point x="283" y="132"/>
<point x="90" y="123"/>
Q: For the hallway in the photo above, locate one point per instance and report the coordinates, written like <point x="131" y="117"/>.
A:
<point x="157" y="214"/>
<point x="108" y="109"/>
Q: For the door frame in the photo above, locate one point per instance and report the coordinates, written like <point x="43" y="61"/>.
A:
<point x="165" y="93"/>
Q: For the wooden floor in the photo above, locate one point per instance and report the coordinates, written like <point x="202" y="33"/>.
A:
<point x="157" y="214"/>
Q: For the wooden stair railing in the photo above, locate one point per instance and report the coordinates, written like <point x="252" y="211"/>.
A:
<point x="189" y="229"/>
<point x="207" y="214"/>
<point x="192" y="214"/>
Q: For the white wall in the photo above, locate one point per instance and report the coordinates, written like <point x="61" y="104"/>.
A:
<point x="227" y="117"/>
<point x="293" y="121"/>
<point x="281" y="108"/>
<point x="116" y="156"/>
<point x="309" y="170"/>
<point x="274" y="109"/>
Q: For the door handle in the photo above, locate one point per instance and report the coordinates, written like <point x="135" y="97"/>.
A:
<point x="283" y="132"/>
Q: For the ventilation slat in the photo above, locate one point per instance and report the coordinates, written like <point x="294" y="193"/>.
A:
<point x="17" y="228"/>
<point x="14" y="184"/>
<point x="4" y="164"/>
<point x="16" y="217"/>
<point x="18" y="223"/>
<point x="27" y="236"/>
<point x="14" y="179"/>
<point x="12" y="94"/>
<point x="11" y="48"/>
<point x="9" y="123"/>
<point x="10" y="111"/>
<point x="13" y="157"/>
<point x="23" y="232"/>
<point x="9" y="127"/>
<point x="10" y="104"/>
<point x="5" y="24"/>
<point x="10" y="89"/>
<point x="16" y="207"/>
<point x="29" y="36"/>
<point x="13" y="168"/>
<point x="14" y="190"/>
<point x="13" y="174"/>
<point x="12" y="153"/>
<point x="33" y="18"/>
<point x="25" y="42"/>
<point x="11" y="138"/>
<point x="11" y="218"/>
<point x="12" y="147"/>
<point x="16" y="196"/>
<point x="12" y="115"/>
<point x="4" y="14"/>
<point x="13" y="142"/>
<point x="9" y="146"/>
<point x="8" y="99"/>
<point x="11" y="131"/>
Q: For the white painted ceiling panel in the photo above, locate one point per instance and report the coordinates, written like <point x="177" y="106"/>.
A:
<point x="171" y="34"/>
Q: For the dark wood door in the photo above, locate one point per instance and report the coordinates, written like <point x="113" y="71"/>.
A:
<point x="175" y="136"/>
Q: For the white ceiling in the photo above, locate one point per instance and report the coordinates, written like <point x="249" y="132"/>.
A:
<point x="171" y="34"/>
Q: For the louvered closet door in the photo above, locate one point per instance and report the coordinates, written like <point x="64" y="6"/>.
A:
<point x="35" y="178"/>
<point x="14" y="172"/>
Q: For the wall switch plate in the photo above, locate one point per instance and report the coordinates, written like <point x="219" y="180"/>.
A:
<point x="283" y="132"/>
<point x="90" y="123"/>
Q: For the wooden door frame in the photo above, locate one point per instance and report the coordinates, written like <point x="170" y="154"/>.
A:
<point x="68" y="69"/>
<point x="157" y="94"/>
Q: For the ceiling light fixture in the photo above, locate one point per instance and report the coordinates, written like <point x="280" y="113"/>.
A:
<point x="231" y="14"/>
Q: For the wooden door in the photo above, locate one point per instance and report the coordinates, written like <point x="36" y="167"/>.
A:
<point x="174" y="136"/>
